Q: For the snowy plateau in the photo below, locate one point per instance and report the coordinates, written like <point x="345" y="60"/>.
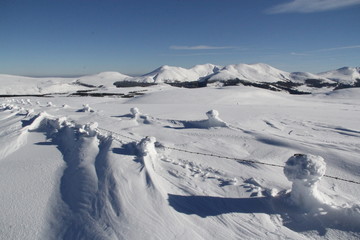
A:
<point x="211" y="152"/>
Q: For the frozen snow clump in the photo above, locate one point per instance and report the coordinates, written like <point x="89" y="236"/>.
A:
<point x="86" y="108"/>
<point x="135" y="112"/>
<point x="304" y="171"/>
<point x="58" y="123"/>
<point x="50" y="104"/>
<point x="6" y="106"/>
<point x="89" y="129"/>
<point x="214" y="120"/>
<point x="147" y="146"/>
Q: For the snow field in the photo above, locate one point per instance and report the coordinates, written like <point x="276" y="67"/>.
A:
<point x="105" y="186"/>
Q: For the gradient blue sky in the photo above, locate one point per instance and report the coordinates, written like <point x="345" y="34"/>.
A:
<point x="78" y="37"/>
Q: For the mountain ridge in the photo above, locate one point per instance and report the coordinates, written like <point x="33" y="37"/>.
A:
<point x="259" y="75"/>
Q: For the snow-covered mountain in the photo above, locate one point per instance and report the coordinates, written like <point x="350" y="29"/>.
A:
<point x="345" y="75"/>
<point x="256" y="75"/>
<point x="166" y="74"/>
<point x="259" y="72"/>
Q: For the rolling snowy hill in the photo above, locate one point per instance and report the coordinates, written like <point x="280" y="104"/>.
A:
<point x="346" y="75"/>
<point x="255" y="75"/>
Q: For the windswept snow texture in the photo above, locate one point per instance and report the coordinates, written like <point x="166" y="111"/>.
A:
<point x="167" y="165"/>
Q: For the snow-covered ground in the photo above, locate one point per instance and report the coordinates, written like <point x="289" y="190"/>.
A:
<point x="110" y="168"/>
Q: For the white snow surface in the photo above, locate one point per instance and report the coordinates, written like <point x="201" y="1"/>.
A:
<point x="114" y="170"/>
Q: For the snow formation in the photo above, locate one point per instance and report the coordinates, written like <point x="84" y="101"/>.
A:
<point x="305" y="171"/>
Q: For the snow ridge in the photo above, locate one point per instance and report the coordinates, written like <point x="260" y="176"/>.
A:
<point x="254" y="74"/>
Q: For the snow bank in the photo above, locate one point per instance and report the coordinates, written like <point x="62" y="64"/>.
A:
<point x="304" y="171"/>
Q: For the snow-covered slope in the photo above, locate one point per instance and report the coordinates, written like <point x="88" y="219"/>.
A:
<point x="259" y="72"/>
<point x="11" y="84"/>
<point x="345" y="75"/>
<point x="105" y="79"/>
<point x="302" y="76"/>
<point x="256" y="75"/>
<point x="173" y="74"/>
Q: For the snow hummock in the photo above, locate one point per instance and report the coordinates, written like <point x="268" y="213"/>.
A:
<point x="86" y="108"/>
<point x="214" y="120"/>
<point x="305" y="171"/>
<point x="135" y="112"/>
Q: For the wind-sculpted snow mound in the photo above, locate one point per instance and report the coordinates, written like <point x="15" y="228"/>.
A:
<point x="87" y="199"/>
<point x="213" y="121"/>
<point x="305" y="171"/>
<point x="149" y="158"/>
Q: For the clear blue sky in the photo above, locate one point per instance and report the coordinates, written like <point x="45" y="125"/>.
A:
<point x="77" y="37"/>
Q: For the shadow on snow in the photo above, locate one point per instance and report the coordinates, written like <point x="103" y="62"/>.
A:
<point x="293" y="218"/>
